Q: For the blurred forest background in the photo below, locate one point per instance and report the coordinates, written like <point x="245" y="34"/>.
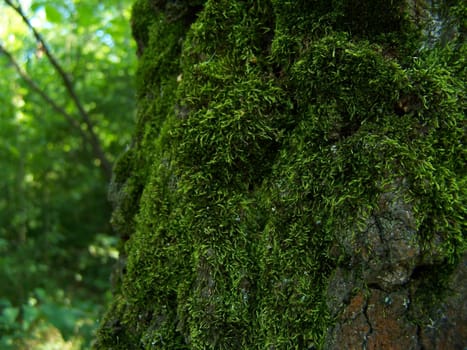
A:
<point x="67" y="110"/>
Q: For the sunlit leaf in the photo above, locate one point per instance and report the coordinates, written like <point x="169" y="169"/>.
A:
<point x="36" y="6"/>
<point x="86" y="14"/>
<point x="53" y="15"/>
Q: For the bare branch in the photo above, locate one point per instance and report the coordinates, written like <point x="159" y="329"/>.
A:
<point x="27" y="79"/>
<point x="93" y="139"/>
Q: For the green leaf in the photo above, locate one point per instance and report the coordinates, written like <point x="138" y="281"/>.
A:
<point x="9" y="315"/>
<point x="30" y="314"/>
<point x="86" y="14"/>
<point x="53" y="15"/>
<point x="63" y="318"/>
<point x="38" y="5"/>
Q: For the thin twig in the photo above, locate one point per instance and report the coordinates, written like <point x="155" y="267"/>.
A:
<point x="32" y="84"/>
<point x="93" y="138"/>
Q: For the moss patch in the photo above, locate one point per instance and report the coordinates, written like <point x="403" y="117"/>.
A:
<point x="268" y="133"/>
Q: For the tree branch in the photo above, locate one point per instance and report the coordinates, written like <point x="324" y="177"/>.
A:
<point x="27" y="79"/>
<point x="93" y="139"/>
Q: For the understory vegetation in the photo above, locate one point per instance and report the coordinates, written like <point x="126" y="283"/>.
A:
<point x="67" y="109"/>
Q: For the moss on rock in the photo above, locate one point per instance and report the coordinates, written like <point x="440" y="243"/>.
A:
<point x="293" y="163"/>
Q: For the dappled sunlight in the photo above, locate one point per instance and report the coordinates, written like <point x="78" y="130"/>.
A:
<point x="47" y="337"/>
<point x="105" y="247"/>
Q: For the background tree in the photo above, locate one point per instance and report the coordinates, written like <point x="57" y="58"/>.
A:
<point x="67" y="109"/>
<point x="297" y="178"/>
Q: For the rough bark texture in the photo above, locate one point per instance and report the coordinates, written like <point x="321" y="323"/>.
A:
<point x="297" y="179"/>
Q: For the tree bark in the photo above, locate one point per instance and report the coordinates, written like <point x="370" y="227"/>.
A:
<point x="296" y="180"/>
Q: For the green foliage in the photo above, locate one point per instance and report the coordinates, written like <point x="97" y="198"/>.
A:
<point x="266" y="131"/>
<point x="42" y="313"/>
<point x="56" y="245"/>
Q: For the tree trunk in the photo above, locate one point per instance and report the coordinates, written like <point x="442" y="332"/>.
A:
<point x="297" y="179"/>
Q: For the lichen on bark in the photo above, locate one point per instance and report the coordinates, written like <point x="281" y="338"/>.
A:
<point x="297" y="172"/>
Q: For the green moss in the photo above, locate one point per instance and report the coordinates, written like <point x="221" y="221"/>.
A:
<point x="266" y="130"/>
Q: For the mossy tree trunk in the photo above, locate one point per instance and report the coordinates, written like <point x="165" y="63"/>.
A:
<point x="297" y="178"/>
